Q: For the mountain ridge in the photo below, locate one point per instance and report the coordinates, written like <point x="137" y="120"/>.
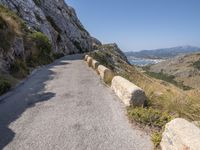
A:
<point x="163" y="53"/>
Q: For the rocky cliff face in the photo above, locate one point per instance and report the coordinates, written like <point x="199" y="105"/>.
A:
<point x="57" y="21"/>
<point x="34" y="33"/>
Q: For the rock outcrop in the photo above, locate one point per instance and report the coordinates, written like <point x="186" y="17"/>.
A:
<point x="180" y="134"/>
<point x="57" y="21"/>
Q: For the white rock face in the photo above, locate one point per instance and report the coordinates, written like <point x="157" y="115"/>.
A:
<point x="105" y="73"/>
<point x="56" y="20"/>
<point x="129" y="93"/>
<point x="95" y="64"/>
<point x="180" y="134"/>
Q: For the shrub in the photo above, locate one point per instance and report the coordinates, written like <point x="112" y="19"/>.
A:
<point x="6" y="35"/>
<point x="197" y="64"/>
<point x="168" y="78"/>
<point x="19" y="69"/>
<point x="5" y="85"/>
<point x="156" y="138"/>
<point x="149" y="116"/>
<point x="43" y="55"/>
<point x="103" y="58"/>
<point x="37" y="2"/>
<point x="58" y="55"/>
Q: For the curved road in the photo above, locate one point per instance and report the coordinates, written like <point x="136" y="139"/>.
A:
<point x="64" y="106"/>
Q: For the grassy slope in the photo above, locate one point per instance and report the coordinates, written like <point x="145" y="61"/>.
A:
<point x="184" y="69"/>
<point x="165" y="100"/>
<point x="162" y="95"/>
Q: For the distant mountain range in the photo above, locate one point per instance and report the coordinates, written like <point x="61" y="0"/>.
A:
<point x="163" y="53"/>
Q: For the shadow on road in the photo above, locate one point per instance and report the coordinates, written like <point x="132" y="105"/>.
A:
<point x="27" y="95"/>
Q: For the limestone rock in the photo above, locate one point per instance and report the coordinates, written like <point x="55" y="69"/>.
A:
<point x="129" y="93"/>
<point x="85" y="58"/>
<point x="95" y="64"/>
<point x="56" y="20"/>
<point x="89" y="61"/>
<point x="180" y="134"/>
<point x="105" y="73"/>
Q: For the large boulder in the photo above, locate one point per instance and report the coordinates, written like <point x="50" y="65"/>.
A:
<point x="129" y="93"/>
<point x="180" y="134"/>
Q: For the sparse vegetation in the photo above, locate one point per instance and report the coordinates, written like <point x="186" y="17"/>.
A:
<point x="38" y="49"/>
<point x="43" y="53"/>
<point x="37" y="2"/>
<point x="19" y="69"/>
<point x="58" y="55"/>
<point x="168" y="78"/>
<point x="156" y="138"/>
<point x="197" y="64"/>
<point x="6" y="34"/>
<point x="5" y="85"/>
<point x="149" y="116"/>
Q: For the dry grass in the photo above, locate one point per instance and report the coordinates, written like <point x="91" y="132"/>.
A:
<point x="12" y="20"/>
<point x="161" y="95"/>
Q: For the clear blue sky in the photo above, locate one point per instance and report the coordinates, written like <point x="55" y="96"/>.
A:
<point x="141" y="24"/>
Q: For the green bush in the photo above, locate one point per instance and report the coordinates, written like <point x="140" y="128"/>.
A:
<point x="156" y="138"/>
<point x="103" y="58"/>
<point x="44" y="50"/>
<point x="6" y="35"/>
<point x="5" y="85"/>
<point x="197" y="64"/>
<point x="149" y="116"/>
<point x="58" y="55"/>
<point x="37" y="2"/>
<point x="19" y="69"/>
<point x="168" y="78"/>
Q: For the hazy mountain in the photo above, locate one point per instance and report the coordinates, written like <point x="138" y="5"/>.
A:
<point x="163" y="53"/>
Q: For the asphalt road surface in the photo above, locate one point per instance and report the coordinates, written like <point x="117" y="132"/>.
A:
<point x="65" y="106"/>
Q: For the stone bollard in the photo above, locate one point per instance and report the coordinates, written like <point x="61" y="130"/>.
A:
<point x="86" y="56"/>
<point x="129" y="93"/>
<point x="180" y="134"/>
<point x="105" y="73"/>
<point x="95" y="64"/>
<point x="89" y="61"/>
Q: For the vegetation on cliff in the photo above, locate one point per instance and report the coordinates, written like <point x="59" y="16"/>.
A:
<point x="22" y="49"/>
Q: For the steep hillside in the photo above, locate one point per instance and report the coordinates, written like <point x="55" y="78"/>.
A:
<point x="162" y="95"/>
<point x="21" y="49"/>
<point x="34" y="33"/>
<point x="164" y="53"/>
<point x="185" y="69"/>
